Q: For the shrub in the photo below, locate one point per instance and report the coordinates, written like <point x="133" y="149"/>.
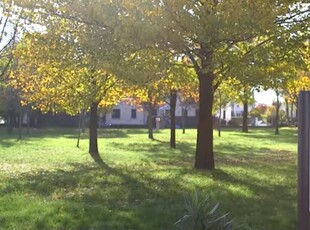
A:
<point x="202" y="214"/>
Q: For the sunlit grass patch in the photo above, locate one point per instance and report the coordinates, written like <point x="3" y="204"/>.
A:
<point x="48" y="183"/>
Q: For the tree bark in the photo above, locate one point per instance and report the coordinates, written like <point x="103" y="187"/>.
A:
<point x="245" y="127"/>
<point x="79" y="130"/>
<point x="220" y="115"/>
<point x="277" y="132"/>
<point x="183" y="120"/>
<point x="173" y="102"/>
<point x="150" y="121"/>
<point x="204" y="158"/>
<point x="20" y="125"/>
<point x="28" y="115"/>
<point x="10" y="121"/>
<point x="287" y="108"/>
<point x="292" y="113"/>
<point x="83" y="115"/>
<point x="93" y="135"/>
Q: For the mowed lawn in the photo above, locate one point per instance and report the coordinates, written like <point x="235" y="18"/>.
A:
<point x="48" y="183"/>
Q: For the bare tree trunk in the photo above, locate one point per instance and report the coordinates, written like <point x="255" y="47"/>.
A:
<point x="83" y="116"/>
<point x="93" y="135"/>
<point x="28" y="115"/>
<point x="292" y="110"/>
<point x="245" y="127"/>
<point x="79" y="131"/>
<point x="277" y="132"/>
<point x="184" y="112"/>
<point x="150" y="120"/>
<point x="204" y="158"/>
<point x="220" y="115"/>
<point x="11" y="116"/>
<point x="173" y="101"/>
<point x="287" y="112"/>
<point x="20" y="125"/>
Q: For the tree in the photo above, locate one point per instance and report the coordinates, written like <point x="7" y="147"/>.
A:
<point x="9" y="26"/>
<point x="280" y="70"/>
<point x="300" y="81"/>
<point x="148" y="72"/>
<point x="182" y="85"/>
<point x="8" y="35"/>
<point x="259" y="111"/>
<point x="206" y="32"/>
<point x="188" y="92"/>
<point x="222" y="97"/>
<point x="60" y="70"/>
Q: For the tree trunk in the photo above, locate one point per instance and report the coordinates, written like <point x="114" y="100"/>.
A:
<point x="10" y="121"/>
<point x="245" y="127"/>
<point x="150" y="120"/>
<point x="28" y="115"/>
<point x="79" y="130"/>
<point x="287" y="108"/>
<point x="204" y="158"/>
<point x="277" y="114"/>
<point x="20" y="125"/>
<point x="93" y="135"/>
<point x="219" y="122"/>
<point x="292" y="111"/>
<point x="83" y="116"/>
<point x="183" y="120"/>
<point x="220" y="115"/>
<point x="173" y="102"/>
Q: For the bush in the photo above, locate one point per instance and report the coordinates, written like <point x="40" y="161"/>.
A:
<point x="202" y="214"/>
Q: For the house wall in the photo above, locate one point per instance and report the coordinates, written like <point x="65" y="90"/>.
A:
<point x="226" y="113"/>
<point x="141" y="119"/>
<point x="191" y="110"/>
<point x="125" y="116"/>
<point x="232" y="110"/>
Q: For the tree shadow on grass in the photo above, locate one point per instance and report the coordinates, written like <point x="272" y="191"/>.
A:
<point x="266" y="205"/>
<point x="66" y="132"/>
<point x="7" y="143"/>
<point x="286" y="136"/>
<point x="160" y="152"/>
<point x="107" y="196"/>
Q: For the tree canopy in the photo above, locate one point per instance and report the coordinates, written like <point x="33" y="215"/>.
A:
<point x="214" y="36"/>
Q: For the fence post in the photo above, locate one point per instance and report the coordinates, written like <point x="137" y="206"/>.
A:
<point x="303" y="205"/>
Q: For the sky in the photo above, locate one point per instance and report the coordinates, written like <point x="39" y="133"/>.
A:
<point x="265" y="97"/>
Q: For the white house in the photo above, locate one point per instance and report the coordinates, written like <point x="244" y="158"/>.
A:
<point x="124" y="114"/>
<point x="232" y="110"/>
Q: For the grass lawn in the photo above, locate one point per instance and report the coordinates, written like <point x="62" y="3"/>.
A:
<point x="48" y="183"/>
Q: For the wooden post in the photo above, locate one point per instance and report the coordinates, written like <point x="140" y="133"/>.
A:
<point x="303" y="160"/>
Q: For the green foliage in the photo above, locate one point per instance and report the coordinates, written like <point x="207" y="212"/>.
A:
<point x="256" y="113"/>
<point x="202" y="214"/>
<point x="216" y="36"/>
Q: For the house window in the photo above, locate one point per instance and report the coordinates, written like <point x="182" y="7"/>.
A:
<point x="224" y="114"/>
<point x="154" y="113"/>
<point x="133" y="113"/>
<point x="116" y="114"/>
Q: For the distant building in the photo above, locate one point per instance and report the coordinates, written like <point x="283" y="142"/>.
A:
<point x="232" y="113"/>
<point x="130" y="115"/>
<point x="125" y="115"/>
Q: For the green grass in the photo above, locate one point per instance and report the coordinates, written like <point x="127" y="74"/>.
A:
<point x="48" y="183"/>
